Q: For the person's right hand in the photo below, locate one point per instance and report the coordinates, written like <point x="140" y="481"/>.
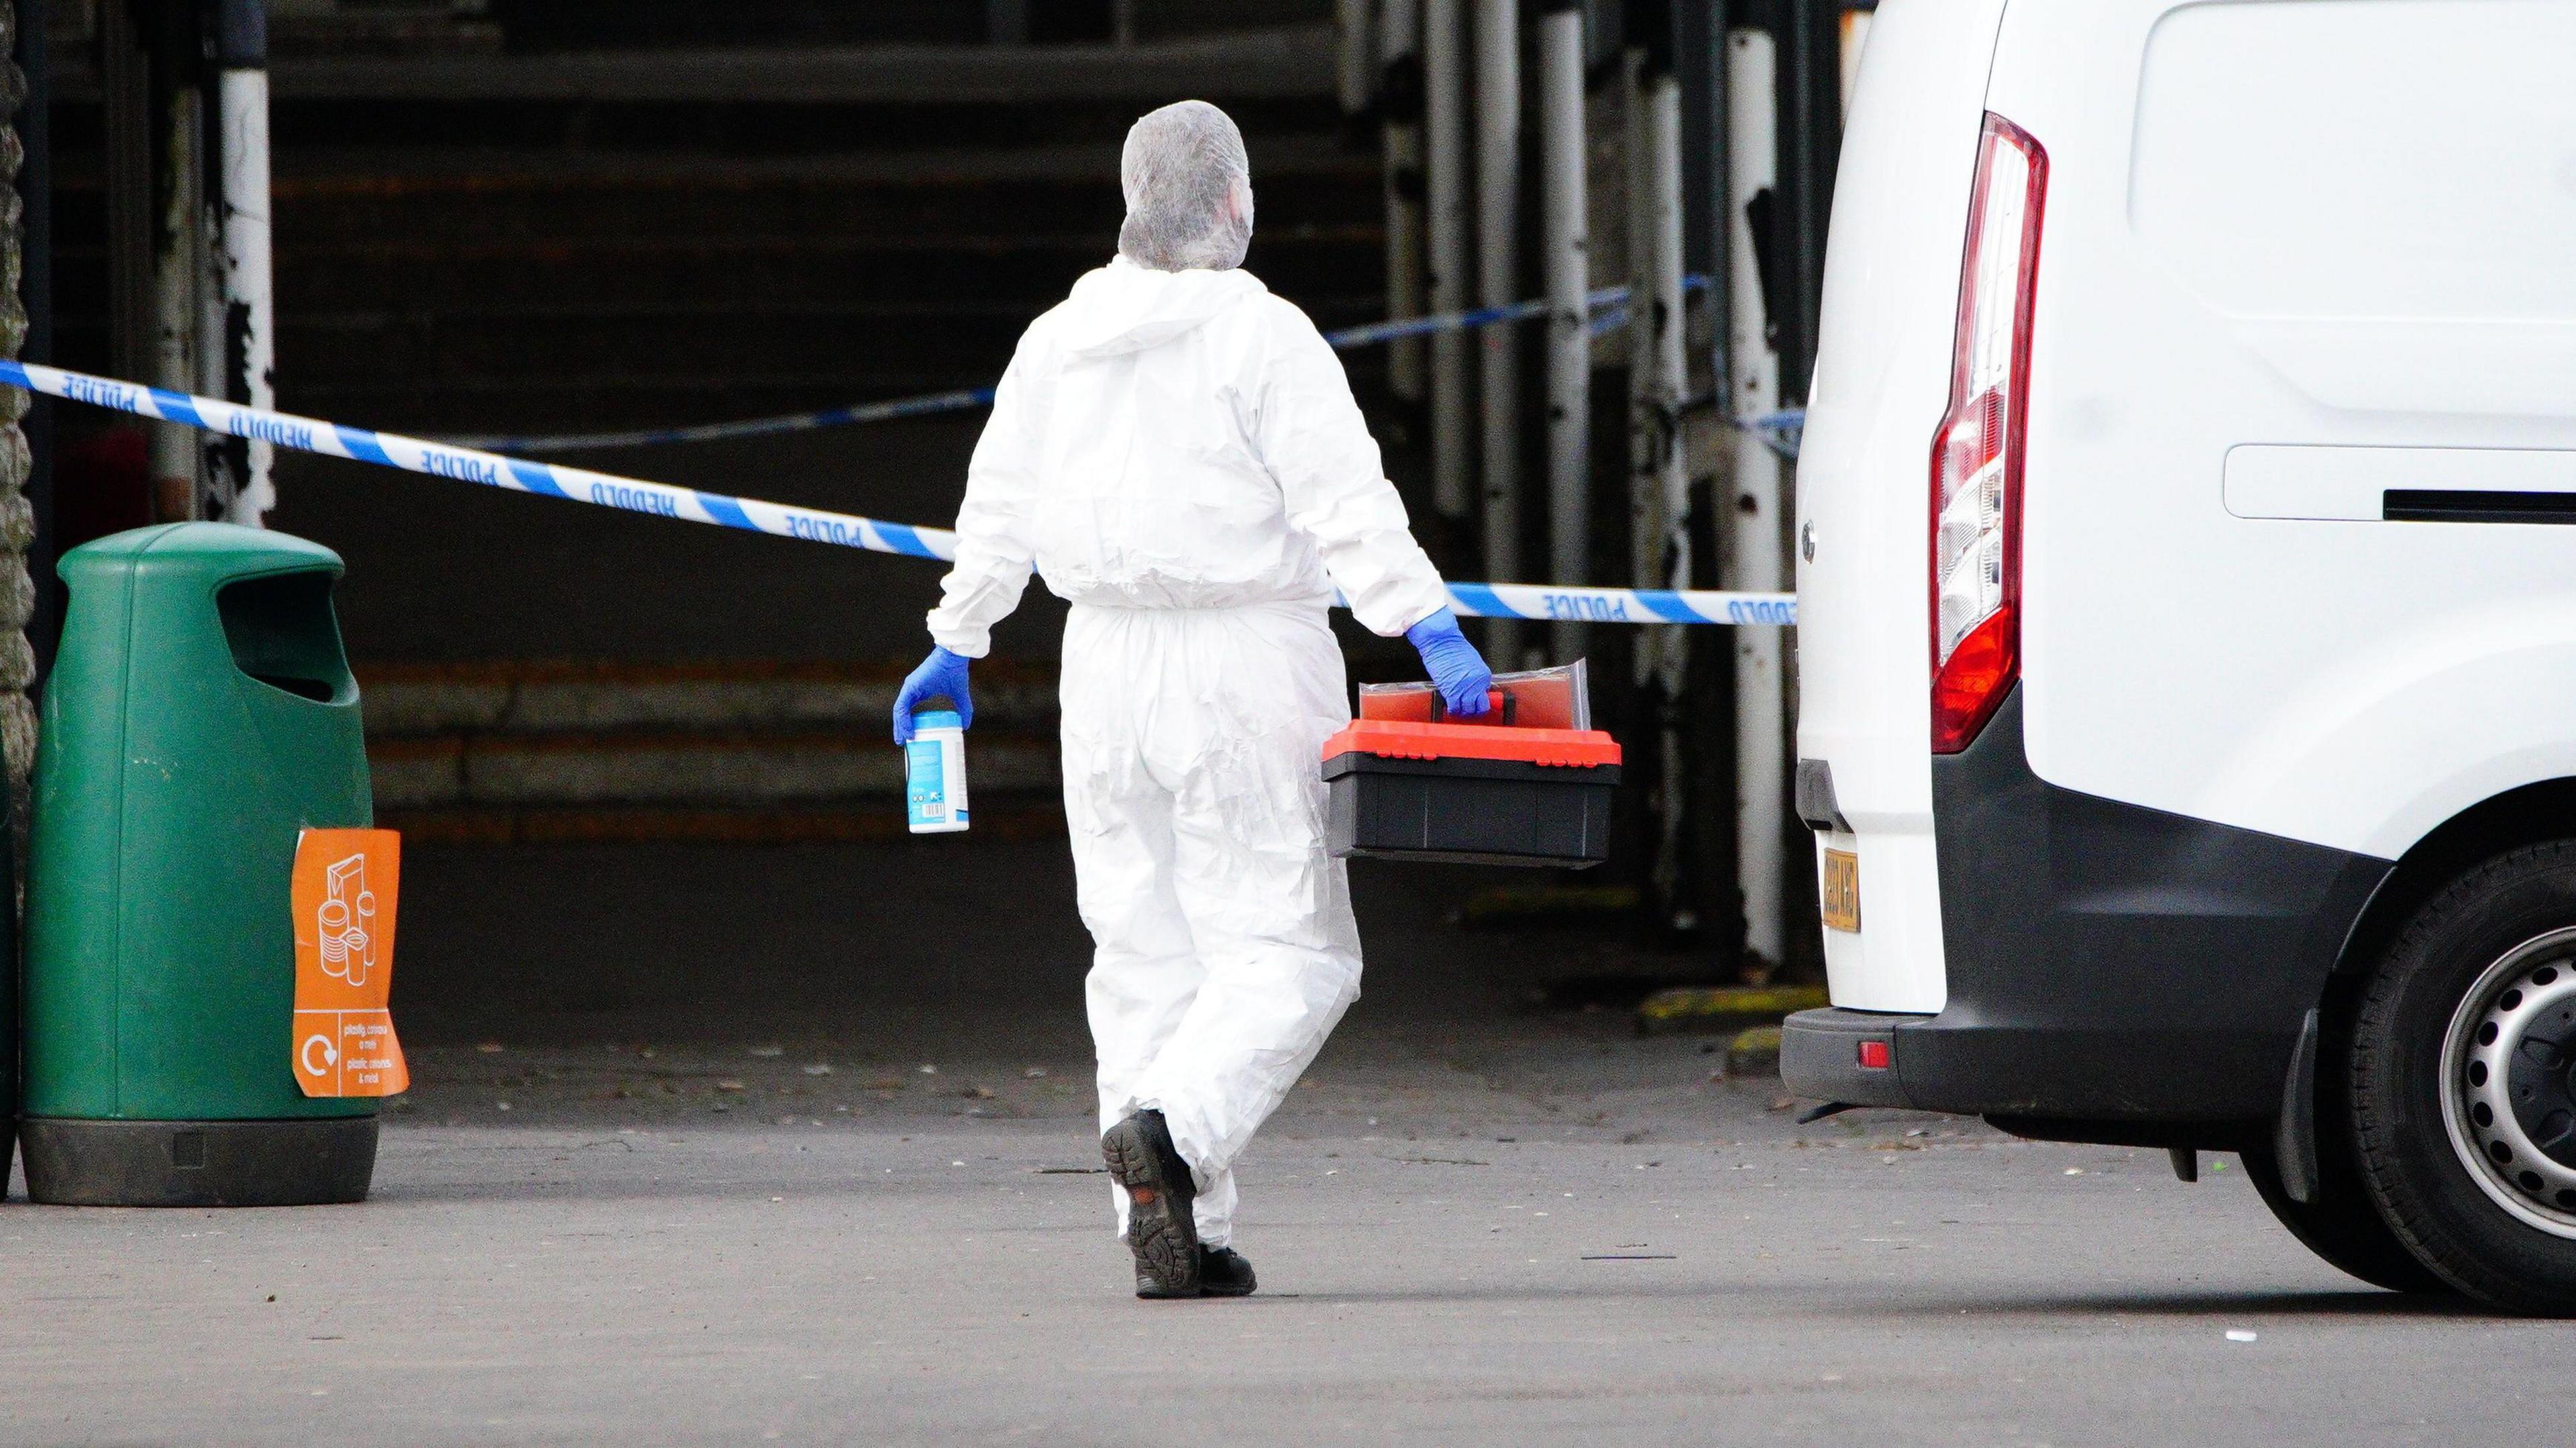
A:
<point x="1456" y="669"/>
<point x="941" y="676"/>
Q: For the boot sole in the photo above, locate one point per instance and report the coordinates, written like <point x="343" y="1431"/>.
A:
<point x="1165" y="1241"/>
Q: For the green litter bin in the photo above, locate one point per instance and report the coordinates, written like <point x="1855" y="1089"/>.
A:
<point x="200" y="715"/>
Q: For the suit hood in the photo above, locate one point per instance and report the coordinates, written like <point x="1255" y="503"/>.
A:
<point x="1124" y="307"/>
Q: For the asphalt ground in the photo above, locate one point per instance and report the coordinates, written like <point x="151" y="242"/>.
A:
<point x="739" y="1145"/>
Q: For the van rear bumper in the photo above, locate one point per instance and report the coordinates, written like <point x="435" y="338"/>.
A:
<point x="2031" y="1073"/>
<point x="1820" y="1056"/>
<point x="2105" y="962"/>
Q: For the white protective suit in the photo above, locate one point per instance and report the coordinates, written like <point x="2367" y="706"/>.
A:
<point x="1178" y="455"/>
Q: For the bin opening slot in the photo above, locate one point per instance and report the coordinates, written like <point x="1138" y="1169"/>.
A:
<point x="282" y="633"/>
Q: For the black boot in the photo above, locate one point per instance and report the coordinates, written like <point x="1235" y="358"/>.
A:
<point x="1160" y="1229"/>
<point x="1225" y="1272"/>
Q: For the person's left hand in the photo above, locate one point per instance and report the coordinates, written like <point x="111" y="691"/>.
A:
<point x="942" y="675"/>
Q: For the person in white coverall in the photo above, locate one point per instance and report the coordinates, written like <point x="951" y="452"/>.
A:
<point x="1177" y="453"/>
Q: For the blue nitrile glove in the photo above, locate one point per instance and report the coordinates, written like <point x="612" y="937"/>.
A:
<point x="943" y="674"/>
<point x="1456" y="669"/>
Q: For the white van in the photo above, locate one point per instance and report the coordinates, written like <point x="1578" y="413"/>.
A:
<point x="2187" y="644"/>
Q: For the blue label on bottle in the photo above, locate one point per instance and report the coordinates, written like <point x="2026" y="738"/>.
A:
<point x="925" y="782"/>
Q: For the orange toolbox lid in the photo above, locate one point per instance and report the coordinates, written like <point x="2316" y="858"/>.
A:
<point x="1405" y="739"/>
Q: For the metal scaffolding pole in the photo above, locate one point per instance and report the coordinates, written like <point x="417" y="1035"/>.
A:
<point x="178" y="262"/>
<point x="1564" y="191"/>
<point x="1755" y="545"/>
<point x="1659" y="382"/>
<point x="124" y="70"/>
<point x="1355" y="67"/>
<point x="1444" y="109"/>
<point x="1400" y="94"/>
<point x="248" y="339"/>
<point x="1498" y="220"/>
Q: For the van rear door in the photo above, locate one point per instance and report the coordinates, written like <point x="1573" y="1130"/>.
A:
<point x="1882" y="383"/>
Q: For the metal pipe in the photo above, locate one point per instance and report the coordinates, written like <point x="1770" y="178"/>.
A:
<point x="1498" y="196"/>
<point x="1645" y="498"/>
<point x="1659" y="215"/>
<point x="1810" y="186"/>
<point x="1444" y="109"/>
<point x="1355" y="68"/>
<point x="178" y="268"/>
<point x="1756" y="544"/>
<point x="1659" y="332"/>
<point x="1400" y="97"/>
<point x="249" y="336"/>
<point x="126" y="120"/>
<point x="1659" y="368"/>
<point x="1565" y="191"/>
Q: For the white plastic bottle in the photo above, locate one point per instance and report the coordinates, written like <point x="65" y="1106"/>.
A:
<point x="935" y="774"/>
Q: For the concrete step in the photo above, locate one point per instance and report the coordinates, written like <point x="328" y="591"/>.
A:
<point x="504" y="697"/>
<point x="443" y="200"/>
<point x="731" y="770"/>
<point x="682" y="745"/>
<point x="537" y="291"/>
<point x="1292" y="61"/>
<point x="781" y="275"/>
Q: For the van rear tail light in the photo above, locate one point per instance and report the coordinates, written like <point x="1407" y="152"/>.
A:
<point x="1977" y="454"/>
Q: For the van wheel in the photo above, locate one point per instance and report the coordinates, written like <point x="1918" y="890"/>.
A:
<point x="2341" y="1225"/>
<point x="2464" y="1082"/>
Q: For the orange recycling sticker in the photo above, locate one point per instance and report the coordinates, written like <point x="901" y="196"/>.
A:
<point x="345" y="882"/>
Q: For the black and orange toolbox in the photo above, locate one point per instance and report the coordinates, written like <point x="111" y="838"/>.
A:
<point x="1527" y="783"/>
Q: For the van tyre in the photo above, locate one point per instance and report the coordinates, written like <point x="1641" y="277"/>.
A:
<point x="2463" y="1082"/>
<point x="2342" y="1225"/>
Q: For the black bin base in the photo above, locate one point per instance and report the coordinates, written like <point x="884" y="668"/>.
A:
<point x="1469" y="811"/>
<point x="72" y="1163"/>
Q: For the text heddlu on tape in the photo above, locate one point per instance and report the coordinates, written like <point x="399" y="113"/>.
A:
<point x="345" y="884"/>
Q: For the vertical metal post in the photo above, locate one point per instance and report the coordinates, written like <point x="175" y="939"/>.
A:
<point x="249" y="336"/>
<point x="178" y="261"/>
<point x="1812" y="147"/>
<point x="1756" y="544"/>
<point x="1663" y="335"/>
<point x="1658" y="363"/>
<point x="1659" y="371"/>
<point x="126" y="118"/>
<point x="1566" y="242"/>
<point x="1355" y="67"/>
<point x="1400" y="97"/>
<point x="1645" y="503"/>
<point x="1444" y="108"/>
<point x="1498" y="223"/>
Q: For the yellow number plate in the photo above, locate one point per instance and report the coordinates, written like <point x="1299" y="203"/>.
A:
<point x="1842" y="890"/>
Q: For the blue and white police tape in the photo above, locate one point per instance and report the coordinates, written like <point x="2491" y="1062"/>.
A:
<point x="1610" y="304"/>
<point x="1346" y="339"/>
<point x="888" y="411"/>
<point x="663" y="500"/>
